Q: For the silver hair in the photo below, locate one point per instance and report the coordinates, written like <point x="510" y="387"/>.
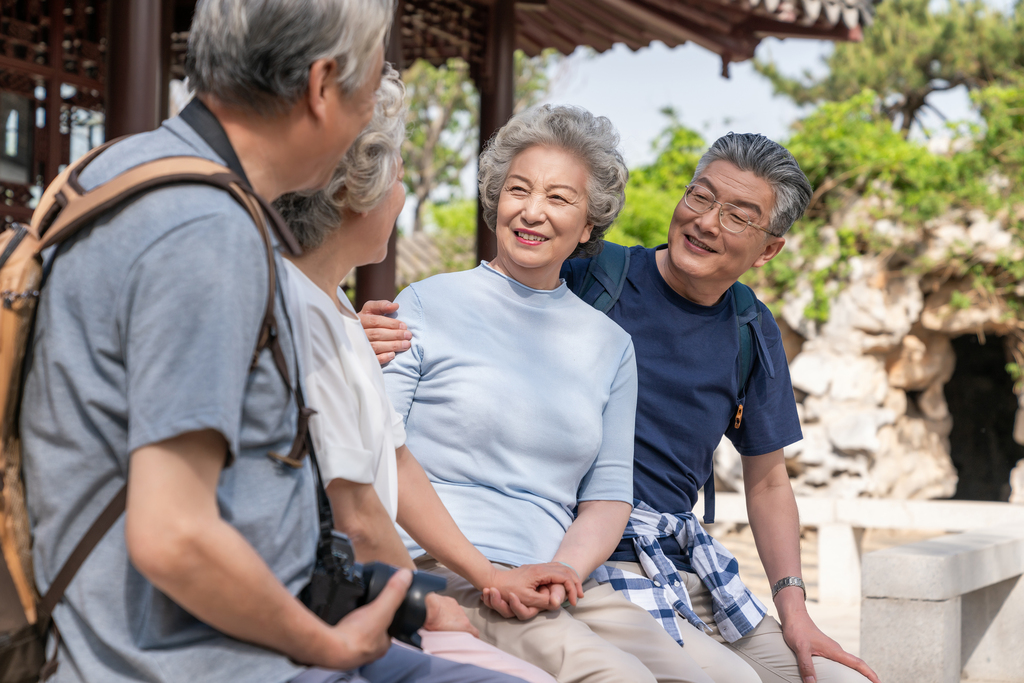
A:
<point x="592" y="139"/>
<point x="363" y="178"/>
<point x="256" y="54"/>
<point x="772" y="163"/>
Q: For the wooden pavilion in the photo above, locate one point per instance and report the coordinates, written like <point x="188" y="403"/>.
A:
<point x="76" y="72"/>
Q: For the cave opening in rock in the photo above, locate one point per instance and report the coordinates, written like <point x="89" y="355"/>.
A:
<point x="983" y="406"/>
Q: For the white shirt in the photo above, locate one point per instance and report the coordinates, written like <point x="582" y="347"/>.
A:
<point x="356" y="430"/>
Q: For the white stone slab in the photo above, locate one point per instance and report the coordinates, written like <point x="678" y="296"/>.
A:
<point x="946" y="567"/>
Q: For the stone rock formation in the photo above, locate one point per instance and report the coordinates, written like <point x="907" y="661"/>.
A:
<point x="871" y="380"/>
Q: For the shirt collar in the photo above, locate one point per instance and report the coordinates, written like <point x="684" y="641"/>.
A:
<point x="199" y="117"/>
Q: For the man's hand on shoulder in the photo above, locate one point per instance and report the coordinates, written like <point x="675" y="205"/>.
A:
<point x="388" y="336"/>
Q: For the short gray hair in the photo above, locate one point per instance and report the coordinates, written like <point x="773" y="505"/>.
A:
<point x="592" y="139"/>
<point x="772" y="163"/>
<point x="363" y="178"/>
<point x="256" y="54"/>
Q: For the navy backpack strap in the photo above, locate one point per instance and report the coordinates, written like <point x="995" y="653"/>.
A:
<point x="748" y="326"/>
<point x="605" y="277"/>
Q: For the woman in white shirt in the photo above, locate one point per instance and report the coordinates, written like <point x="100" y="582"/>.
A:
<point x="357" y="435"/>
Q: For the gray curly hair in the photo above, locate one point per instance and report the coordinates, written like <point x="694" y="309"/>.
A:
<point x="364" y="176"/>
<point x="592" y="139"/>
<point x="772" y="163"/>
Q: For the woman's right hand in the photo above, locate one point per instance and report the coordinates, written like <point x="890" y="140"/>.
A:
<point x="387" y="336"/>
<point x="525" y="591"/>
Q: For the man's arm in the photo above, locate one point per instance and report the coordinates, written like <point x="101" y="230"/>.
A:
<point x="177" y="539"/>
<point x="775" y="523"/>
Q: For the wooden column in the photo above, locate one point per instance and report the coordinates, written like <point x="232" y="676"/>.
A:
<point x="377" y="280"/>
<point x="136" y="73"/>
<point x="497" y="97"/>
<point x="54" y="143"/>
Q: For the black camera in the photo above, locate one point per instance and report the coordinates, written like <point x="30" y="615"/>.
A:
<point x="340" y="585"/>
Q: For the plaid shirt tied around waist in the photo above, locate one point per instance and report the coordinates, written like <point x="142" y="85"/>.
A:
<point x="663" y="593"/>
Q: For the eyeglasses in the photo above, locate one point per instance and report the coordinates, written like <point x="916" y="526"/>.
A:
<point x="731" y="217"/>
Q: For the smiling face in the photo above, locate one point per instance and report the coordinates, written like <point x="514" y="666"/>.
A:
<point x="703" y="260"/>
<point x="542" y="215"/>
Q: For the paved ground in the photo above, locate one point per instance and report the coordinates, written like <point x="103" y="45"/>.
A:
<point x="840" y="622"/>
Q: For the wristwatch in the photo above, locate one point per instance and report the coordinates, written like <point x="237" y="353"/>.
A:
<point x="786" y="583"/>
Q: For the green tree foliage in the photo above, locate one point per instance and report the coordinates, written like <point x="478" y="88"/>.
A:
<point x="654" y="190"/>
<point x="443" y="121"/>
<point x="1002" y="109"/>
<point x="911" y="52"/>
<point x="443" y="107"/>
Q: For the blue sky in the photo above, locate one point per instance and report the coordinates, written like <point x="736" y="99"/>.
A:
<point x="630" y="88"/>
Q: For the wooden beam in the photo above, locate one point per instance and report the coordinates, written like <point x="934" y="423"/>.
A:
<point x="377" y="280"/>
<point x="54" y="144"/>
<point x="600" y="20"/>
<point x="47" y="72"/>
<point x="133" y="100"/>
<point x="602" y="37"/>
<point x="693" y="14"/>
<point x="683" y="29"/>
<point x="621" y="27"/>
<point x="497" y="98"/>
<point x="551" y="35"/>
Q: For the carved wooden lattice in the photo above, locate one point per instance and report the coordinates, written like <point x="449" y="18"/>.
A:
<point x="54" y="54"/>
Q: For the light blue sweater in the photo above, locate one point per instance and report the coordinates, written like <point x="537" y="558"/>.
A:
<point x="519" y="403"/>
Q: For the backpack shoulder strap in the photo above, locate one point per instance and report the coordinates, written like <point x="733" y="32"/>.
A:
<point x="747" y="312"/>
<point x="606" y="275"/>
<point x="98" y="529"/>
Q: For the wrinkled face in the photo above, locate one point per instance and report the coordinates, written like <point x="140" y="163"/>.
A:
<point x="383" y="216"/>
<point x="542" y="214"/>
<point x="700" y="249"/>
<point x="347" y="115"/>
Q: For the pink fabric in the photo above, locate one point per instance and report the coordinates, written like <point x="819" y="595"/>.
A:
<point x="458" y="646"/>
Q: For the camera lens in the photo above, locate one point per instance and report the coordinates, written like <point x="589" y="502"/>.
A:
<point x="412" y="613"/>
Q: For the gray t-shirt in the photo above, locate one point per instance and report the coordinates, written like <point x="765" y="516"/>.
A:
<point x="145" y="331"/>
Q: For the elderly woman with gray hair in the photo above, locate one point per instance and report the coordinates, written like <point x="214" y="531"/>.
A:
<point x="519" y="400"/>
<point x="357" y="436"/>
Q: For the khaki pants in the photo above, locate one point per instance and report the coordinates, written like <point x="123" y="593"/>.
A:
<point x="761" y="656"/>
<point x="603" y="639"/>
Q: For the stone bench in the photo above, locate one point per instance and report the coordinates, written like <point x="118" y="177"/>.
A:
<point x="946" y="608"/>
<point x="840" y="523"/>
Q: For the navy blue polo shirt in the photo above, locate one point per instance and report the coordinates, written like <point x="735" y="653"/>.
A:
<point x="687" y="358"/>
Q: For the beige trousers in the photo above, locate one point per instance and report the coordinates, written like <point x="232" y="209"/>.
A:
<point x="761" y="656"/>
<point x="603" y="639"/>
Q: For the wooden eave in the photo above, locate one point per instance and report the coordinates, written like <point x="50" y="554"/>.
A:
<point x="437" y="30"/>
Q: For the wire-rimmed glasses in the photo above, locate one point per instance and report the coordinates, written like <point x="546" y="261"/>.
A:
<point x="731" y="217"/>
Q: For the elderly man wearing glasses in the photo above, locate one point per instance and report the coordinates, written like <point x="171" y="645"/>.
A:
<point x="681" y="305"/>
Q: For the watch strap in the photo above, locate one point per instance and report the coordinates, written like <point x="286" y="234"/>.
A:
<point x="786" y="582"/>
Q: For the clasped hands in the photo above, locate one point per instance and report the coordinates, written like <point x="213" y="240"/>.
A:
<point x="523" y="592"/>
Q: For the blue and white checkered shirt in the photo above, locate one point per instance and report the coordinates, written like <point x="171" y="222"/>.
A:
<point x="662" y="592"/>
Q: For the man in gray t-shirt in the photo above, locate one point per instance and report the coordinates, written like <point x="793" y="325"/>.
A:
<point x="142" y="372"/>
